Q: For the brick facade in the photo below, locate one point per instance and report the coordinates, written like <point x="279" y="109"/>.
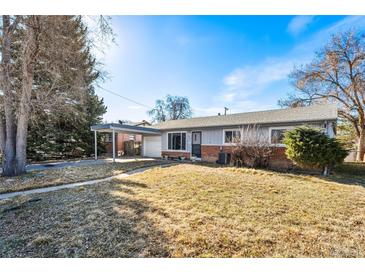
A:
<point x="277" y="160"/>
<point x="120" y="138"/>
<point x="175" y="154"/>
<point x="210" y="153"/>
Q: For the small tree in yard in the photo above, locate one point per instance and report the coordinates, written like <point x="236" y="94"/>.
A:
<point x="252" y="149"/>
<point x="310" y="147"/>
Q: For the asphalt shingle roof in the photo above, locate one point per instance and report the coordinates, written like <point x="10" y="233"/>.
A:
<point x="288" y="115"/>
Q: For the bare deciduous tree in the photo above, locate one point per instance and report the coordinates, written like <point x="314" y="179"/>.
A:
<point x="252" y="148"/>
<point x="178" y="107"/>
<point x="337" y="75"/>
<point x="158" y="113"/>
<point x="173" y="108"/>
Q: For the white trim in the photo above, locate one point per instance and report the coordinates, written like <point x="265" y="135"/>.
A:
<point x="177" y="131"/>
<point x="229" y="129"/>
<point x="169" y="150"/>
<point x="167" y="141"/>
<point x="133" y="131"/>
<point x="282" y="127"/>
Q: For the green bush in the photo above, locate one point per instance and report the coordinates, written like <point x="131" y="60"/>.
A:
<point x="310" y="147"/>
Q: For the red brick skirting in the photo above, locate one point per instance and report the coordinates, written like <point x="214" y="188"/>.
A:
<point x="277" y="160"/>
<point x="176" y="154"/>
<point x="210" y="153"/>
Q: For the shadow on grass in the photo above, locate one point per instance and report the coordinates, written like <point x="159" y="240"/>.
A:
<point x="103" y="220"/>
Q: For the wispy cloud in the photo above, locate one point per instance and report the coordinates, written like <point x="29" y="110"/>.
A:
<point x="241" y="87"/>
<point x="299" y="24"/>
<point x="248" y="80"/>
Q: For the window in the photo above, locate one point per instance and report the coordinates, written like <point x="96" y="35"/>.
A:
<point x="176" y="141"/>
<point x="231" y="136"/>
<point x="108" y="138"/>
<point x="277" y="136"/>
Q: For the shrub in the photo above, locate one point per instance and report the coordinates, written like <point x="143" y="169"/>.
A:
<point x="252" y="149"/>
<point x="310" y="147"/>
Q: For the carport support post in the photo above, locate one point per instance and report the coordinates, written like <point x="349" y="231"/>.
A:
<point x="96" y="145"/>
<point x="113" y="145"/>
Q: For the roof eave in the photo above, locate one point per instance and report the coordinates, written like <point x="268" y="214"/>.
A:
<point x="125" y="128"/>
<point x="240" y="124"/>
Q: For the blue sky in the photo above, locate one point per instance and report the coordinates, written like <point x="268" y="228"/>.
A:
<point x="241" y="62"/>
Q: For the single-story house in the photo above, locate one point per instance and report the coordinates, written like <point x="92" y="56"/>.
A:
<point x="205" y="137"/>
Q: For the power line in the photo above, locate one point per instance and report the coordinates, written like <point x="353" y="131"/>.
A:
<point x="126" y="98"/>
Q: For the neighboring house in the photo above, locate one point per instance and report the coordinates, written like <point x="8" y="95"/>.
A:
<point x="121" y="139"/>
<point x="205" y="137"/>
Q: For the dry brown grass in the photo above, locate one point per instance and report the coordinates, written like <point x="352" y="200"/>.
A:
<point x="67" y="175"/>
<point x="191" y="211"/>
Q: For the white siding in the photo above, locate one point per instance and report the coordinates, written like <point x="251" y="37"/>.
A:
<point x="214" y="136"/>
<point x="164" y="141"/>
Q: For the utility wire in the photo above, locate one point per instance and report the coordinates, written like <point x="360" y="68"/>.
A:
<point x="125" y="98"/>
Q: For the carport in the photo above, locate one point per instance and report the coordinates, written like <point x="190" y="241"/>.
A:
<point x="146" y="132"/>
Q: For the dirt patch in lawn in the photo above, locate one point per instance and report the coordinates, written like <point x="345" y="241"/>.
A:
<point x="190" y="211"/>
<point x="67" y="175"/>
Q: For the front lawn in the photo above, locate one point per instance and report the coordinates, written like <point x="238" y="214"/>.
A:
<point x="190" y="211"/>
<point x="72" y="174"/>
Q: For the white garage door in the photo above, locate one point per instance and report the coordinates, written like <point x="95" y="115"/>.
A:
<point x="152" y="146"/>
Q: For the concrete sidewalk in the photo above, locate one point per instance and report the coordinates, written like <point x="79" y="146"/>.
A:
<point x="73" y="185"/>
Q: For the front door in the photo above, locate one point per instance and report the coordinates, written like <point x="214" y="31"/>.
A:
<point x="196" y="143"/>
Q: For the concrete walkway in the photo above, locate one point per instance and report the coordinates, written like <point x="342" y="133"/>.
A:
<point x="73" y="185"/>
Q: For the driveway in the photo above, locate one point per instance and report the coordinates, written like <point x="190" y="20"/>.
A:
<point x="62" y="164"/>
<point x="44" y="166"/>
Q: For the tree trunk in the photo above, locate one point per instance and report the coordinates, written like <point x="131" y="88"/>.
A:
<point x="29" y="54"/>
<point x="360" y="146"/>
<point x="21" y="143"/>
<point x="22" y="126"/>
<point x="9" y="146"/>
<point x="326" y="171"/>
<point x="2" y="134"/>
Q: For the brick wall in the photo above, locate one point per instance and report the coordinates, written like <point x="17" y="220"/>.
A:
<point x="277" y="160"/>
<point x="119" y="146"/>
<point x="210" y="153"/>
<point x="120" y="138"/>
<point x="175" y="154"/>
